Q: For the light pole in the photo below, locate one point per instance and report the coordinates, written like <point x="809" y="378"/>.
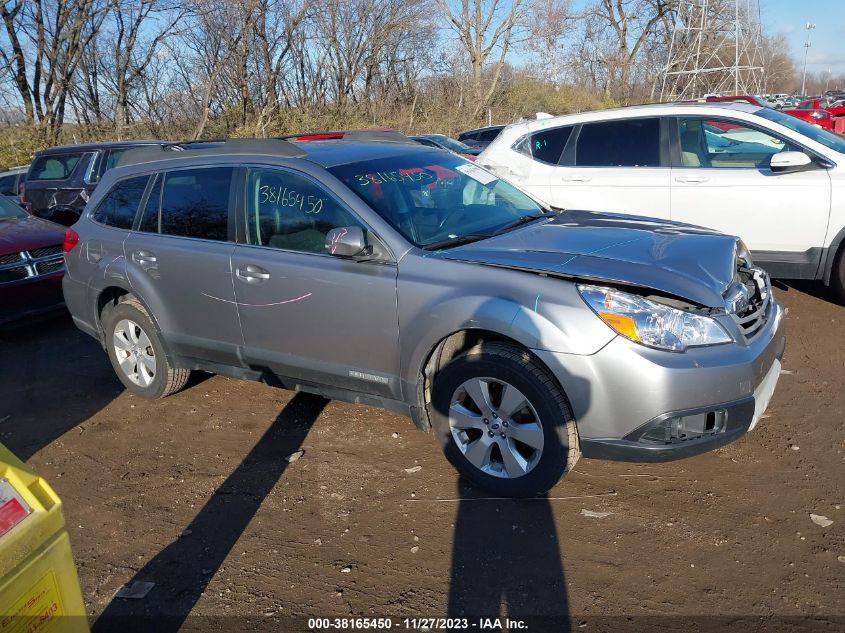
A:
<point x="810" y="26"/>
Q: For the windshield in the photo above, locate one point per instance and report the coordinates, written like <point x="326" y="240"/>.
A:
<point x="8" y="209"/>
<point x="431" y="197"/>
<point x="802" y="127"/>
<point x="450" y="143"/>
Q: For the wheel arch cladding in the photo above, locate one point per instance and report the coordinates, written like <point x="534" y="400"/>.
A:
<point x="111" y="296"/>
<point x="457" y="343"/>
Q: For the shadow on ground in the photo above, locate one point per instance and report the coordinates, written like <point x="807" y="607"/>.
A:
<point x="506" y="562"/>
<point x="52" y="378"/>
<point x="181" y="572"/>
<point x="813" y="288"/>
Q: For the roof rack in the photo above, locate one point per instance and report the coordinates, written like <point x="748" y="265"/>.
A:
<point x="150" y="154"/>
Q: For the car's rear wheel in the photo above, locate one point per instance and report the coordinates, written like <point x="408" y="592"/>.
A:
<point x="503" y="421"/>
<point x="136" y="352"/>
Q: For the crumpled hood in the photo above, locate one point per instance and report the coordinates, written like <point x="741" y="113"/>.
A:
<point x="686" y="261"/>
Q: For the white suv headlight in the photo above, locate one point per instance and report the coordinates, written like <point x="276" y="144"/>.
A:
<point x="651" y="323"/>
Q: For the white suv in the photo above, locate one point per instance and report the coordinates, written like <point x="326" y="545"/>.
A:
<point x="772" y="179"/>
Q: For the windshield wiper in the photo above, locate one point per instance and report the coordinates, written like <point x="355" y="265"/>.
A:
<point x="525" y="219"/>
<point x="456" y="241"/>
<point x="475" y="237"/>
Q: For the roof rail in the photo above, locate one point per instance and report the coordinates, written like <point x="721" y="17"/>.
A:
<point x="154" y="153"/>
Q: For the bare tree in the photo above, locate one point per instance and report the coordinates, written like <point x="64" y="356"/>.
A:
<point x="486" y="30"/>
<point x="619" y="30"/>
<point x="548" y="30"/>
<point x="47" y="38"/>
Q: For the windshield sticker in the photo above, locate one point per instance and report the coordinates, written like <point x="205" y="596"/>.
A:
<point x="397" y="175"/>
<point x="476" y="173"/>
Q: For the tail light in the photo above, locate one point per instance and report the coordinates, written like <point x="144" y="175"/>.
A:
<point x="71" y="240"/>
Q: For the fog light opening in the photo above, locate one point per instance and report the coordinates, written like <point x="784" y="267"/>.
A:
<point x="685" y="428"/>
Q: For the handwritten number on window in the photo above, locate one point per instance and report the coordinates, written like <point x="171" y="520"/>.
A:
<point x="285" y="197"/>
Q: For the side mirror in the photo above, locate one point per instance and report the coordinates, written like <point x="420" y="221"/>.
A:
<point x="346" y="241"/>
<point x="786" y="162"/>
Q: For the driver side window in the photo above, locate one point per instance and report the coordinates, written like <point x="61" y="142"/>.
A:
<point x="727" y="144"/>
<point x="290" y="212"/>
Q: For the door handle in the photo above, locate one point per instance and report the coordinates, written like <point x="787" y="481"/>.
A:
<point x="143" y="257"/>
<point x="576" y="179"/>
<point x="692" y="179"/>
<point x="252" y="274"/>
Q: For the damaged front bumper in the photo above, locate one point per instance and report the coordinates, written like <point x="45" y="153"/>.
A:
<point x="632" y="403"/>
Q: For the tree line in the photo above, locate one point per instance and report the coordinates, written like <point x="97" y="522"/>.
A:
<point x="89" y="69"/>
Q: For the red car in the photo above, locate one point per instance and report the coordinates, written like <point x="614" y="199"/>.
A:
<point x="816" y="116"/>
<point x="822" y="104"/>
<point x="812" y="112"/>
<point x="31" y="263"/>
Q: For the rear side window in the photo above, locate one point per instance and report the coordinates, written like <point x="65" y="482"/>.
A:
<point x="626" y="143"/>
<point x="120" y="205"/>
<point x="489" y="135"/>
<point x="114" y="156"/>
<point x="105" y="161"/>
<point x="545" y="146"/>
<point x="195" y="203"/>
<point x="54" y="166"/>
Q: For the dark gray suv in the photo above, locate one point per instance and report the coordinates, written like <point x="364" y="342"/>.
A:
<point x="61" y="179"/>
<point x="406" y="277"/>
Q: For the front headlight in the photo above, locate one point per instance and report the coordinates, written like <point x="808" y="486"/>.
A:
<point x="651" y="323"/>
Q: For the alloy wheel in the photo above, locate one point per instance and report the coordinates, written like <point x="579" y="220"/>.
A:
<point x="134" y="352"/>
<point x="496" y="427"/>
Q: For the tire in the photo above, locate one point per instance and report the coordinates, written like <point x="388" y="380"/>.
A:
<point x="145" y="370"/>
<point x="497" y="444"/>
<point x="837" y="276"/>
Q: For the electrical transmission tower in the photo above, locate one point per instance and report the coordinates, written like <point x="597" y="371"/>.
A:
<point x="716" y="48"/>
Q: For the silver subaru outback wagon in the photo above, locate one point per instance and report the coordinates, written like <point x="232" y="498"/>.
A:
<point x="408" y="278"/>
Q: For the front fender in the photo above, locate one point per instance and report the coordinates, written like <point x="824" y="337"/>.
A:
<point x="538" y="312"/>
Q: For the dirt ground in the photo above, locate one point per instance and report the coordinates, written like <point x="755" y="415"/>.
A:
<point x="195" y="493"/>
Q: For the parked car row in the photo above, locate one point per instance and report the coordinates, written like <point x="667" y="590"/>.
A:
<point x="517" y="305"/>
<point x="805" y="110"/>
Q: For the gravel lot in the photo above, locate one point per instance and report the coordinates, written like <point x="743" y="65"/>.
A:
<point x="196" y="493"/>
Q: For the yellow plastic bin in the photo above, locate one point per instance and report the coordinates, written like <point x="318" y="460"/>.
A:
<point x="39" y="588"/>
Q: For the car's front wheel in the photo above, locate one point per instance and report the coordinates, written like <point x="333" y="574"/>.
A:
<point x="136" y="352"/>
<point x="503" y="421"/>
